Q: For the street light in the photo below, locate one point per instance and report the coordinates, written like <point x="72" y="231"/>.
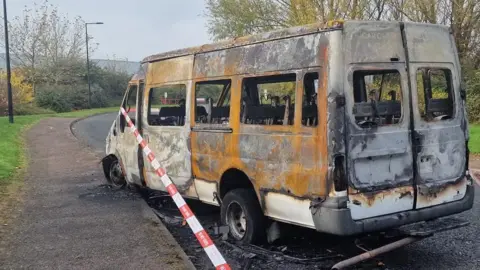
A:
<point x="7" y="58"/>
<point x="88" y="64"/>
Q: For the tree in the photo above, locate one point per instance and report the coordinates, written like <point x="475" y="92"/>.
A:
<point x="233" y="18"/>
<point x="44" y="43"/>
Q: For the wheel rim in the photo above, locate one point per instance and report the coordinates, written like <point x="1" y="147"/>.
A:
<point x="116" y="174"/>
<point x="236" y="220"/>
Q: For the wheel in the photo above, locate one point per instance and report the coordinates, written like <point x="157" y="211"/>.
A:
<point x="241" y="212"/>
<point x="115" y="175"/>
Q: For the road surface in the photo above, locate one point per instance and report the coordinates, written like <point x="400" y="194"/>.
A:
<point x="457" y="249"/>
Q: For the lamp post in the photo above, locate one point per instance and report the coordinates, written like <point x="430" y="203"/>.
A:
<point x="7" y="58"/>
<point x="88" y="64"/>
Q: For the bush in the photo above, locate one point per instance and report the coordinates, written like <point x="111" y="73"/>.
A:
<point x="65" y="98"/>
<point x="29" y="109"/>
<point x="473" y="96"/>
<point x="52" y="100"/>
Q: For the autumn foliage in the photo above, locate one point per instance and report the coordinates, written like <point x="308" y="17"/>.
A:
<point x="22" y="91"/>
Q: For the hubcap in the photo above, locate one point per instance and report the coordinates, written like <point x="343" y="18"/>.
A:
<point x="116" y="175"/>
<point x="236" y="220"/>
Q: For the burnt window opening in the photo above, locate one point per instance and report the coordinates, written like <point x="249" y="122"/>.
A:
<point x="378" y="98"/>
<point x="435" y="94"/>
<point x="166" y="105"/>
<point x="268" y="100"/>
<point x="130" y="106"/>
<point x="213" y="102"/>
<point x="309" y="105"/>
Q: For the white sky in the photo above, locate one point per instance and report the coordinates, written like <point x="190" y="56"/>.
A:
<point x="133" y="29"/>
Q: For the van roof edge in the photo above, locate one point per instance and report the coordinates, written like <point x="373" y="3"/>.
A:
<point x="246" y="40"/>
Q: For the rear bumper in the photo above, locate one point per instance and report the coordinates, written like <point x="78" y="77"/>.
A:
<point x="334" y="217"/>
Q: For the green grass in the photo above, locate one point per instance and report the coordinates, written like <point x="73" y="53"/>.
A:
<point x="11" y="144"/>
<point x="11" y="139"/>
<point x="474" y="143"/>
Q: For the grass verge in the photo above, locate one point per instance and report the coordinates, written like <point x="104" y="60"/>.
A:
<point x="474" y="143"/>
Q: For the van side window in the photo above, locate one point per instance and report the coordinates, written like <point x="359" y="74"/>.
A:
<point x="309" y="105"/>
<point x="213" y="102"/>
<point x="378" y="98"/>
<point x="130" y="106"/>
<point x="166" y="105"/>
<point x="268" y="100"/>
<point x="435" y="94"/>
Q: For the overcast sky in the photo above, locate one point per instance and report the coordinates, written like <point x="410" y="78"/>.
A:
<point x="134" y="29"/>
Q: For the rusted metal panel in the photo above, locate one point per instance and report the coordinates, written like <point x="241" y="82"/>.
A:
<point x="298" y="209"/>
<point x="278" y="55"/>
<point x="440" y="193"/>
<point x="241" y="41"/>
<point x="429" y="43"/>
<point x="372" y="42"/>
<point x="171" y="70"/>
<point x="210" y="155"/>
<point x="377" y="203"/>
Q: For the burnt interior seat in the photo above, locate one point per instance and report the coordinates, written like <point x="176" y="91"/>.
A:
<point x="384" y="108"/>
<point x="439" y="106"/>
<point x="201" y="114"/>
<point x="259" y="112"/>
<point x="172" y="112"/>
<point x="309" y="111"/>
<point x="172" y="116"/>
<point x="221" y="112"/>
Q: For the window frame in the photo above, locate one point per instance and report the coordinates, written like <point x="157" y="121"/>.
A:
<point x="228" y="82"/>
<point x="123" y="121"/>
<point x="305" y="74"/>
<point x="404" y="90"/>
<point x="148" y="106"/>
<point x="281" y="128"/>
<point x="451" y="86"/>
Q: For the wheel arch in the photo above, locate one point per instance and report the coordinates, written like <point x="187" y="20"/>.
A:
<point x="234" y="178"/>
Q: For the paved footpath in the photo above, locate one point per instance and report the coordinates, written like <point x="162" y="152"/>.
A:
<point x="70" y="220"/>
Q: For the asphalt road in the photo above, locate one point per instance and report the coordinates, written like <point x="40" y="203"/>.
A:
<point x="456" y="249"/>
<point x="94" y="130"/>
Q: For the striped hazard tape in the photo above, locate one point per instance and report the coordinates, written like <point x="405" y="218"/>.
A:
<point x="202" y="236"/>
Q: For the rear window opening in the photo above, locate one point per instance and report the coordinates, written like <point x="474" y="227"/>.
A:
<point x="377" y="96"/>
<point x="435" y="94"/>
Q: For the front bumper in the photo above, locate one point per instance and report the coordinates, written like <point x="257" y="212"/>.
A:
<point x="333" y="216"/>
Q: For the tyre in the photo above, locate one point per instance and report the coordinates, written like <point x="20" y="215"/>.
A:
<point x="241" y="212"/>
<point x="115" y="175"/>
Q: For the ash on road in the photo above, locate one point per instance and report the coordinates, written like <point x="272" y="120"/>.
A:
<point x="456" y="249"/>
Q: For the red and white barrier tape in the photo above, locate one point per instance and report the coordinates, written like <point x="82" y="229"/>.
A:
<point x="205" y="241"/>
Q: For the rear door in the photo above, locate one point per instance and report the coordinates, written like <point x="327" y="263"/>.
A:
<point x="378" y="136"/>
<point x="440" y="125"/>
